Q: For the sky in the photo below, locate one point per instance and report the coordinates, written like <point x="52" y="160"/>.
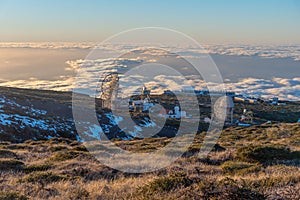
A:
<point x="208" y="21"/>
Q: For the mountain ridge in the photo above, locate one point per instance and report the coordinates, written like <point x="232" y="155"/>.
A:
<point x="43" y="114"/>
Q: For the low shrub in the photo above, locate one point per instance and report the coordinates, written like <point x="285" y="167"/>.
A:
<point x="74" y="143"/>
<point x="227" y="189"/>
<point x="274" y="182"/>
<point x="236" y="167"/>
<point x="57" y="148"/>
<point x="7" y="154"/>
<point x="218" y="148"/>
<point x="80" y="148"/>
<point x="79" y="193"/>
<point x="43" y="177"/>
<point x="34" y="168"/>
<point x="10" y="164"/>
<point x="63" y="156"/>
<point x="11" y="195"/>
<point x="18" y="146"/>
<point x="167" y="183"/>
<point x="266" y="154"/>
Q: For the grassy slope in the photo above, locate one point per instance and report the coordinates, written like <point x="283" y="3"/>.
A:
<point x="259" y="162"/>
<point x="46" y="95"/>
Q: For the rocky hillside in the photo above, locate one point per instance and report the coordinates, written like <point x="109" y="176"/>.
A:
<point x="35" y="114"/>
<point x="39" y="114"/>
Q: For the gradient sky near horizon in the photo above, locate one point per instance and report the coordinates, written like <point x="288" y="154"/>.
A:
<point x="208" y="21"/>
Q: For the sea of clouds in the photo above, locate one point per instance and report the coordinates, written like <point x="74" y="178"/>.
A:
<point x="268" y="51"/>
<point x="284" y="88"/>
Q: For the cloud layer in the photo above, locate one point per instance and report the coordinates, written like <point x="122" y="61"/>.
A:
<point x="266" y="51"/>
<point x="89" y="71"/>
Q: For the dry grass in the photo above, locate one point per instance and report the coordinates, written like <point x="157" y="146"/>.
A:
<point x="63" y="169"/>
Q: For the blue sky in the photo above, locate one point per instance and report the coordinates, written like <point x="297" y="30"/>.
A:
<point x="208" y="21"/>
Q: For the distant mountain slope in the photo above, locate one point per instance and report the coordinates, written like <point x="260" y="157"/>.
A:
<point x="41" y="114"/>
<point x="35" y="114"/>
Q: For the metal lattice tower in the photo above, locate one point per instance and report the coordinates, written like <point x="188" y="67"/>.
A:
<point x="109" y="89"/>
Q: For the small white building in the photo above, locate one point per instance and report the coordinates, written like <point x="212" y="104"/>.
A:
<point x="141" y="105"/>
<point x="177" y="114"/>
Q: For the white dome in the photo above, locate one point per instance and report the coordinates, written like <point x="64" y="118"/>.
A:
<point x="225" y="102"/>
<point x="223" y="108"/>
